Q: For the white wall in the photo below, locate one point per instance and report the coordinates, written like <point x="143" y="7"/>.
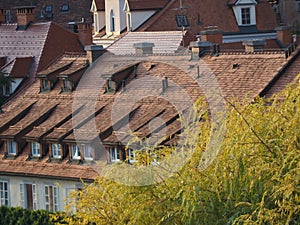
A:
<point x="14" y="189"/>
<point x="119" y="15"/>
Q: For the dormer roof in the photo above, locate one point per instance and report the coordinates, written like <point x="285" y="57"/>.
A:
<point x="18" y="67"/>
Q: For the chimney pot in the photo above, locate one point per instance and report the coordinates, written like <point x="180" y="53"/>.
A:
<point x="143" y="48"/>
<point x="93" y="52"/>
<point x="254" y="45"/>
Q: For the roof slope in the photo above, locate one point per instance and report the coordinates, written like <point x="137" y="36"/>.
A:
<point x="164" y="42"/>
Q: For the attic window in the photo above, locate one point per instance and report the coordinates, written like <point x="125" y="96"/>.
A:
<point x="45" y="85"/>
<point x="35" y="149"/>
<point x="75" y="152"/>
<point x="67" y="85"/>
<point x="7" y="90"/>
<point x="111" y="86"/>
<point x="11" y="147"/>
<point x="7" y="16"/>
<point x="56" y="151"/>
<point x="246" y="16"/>
<point x="88" y="152"/>
<point x="48" y="8"/>
<point x="65" y="8"/>
<point x="182" y="21"/>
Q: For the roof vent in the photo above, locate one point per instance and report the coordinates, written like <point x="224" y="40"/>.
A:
<point x="254" y="45"/>
<point x="142" y="48"/>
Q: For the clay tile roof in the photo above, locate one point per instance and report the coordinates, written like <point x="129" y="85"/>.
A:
<point x="27" y="43"/>
<point x="164" y="42"/>
<point x="147" y="4"/>
<point x="40" y="169"/>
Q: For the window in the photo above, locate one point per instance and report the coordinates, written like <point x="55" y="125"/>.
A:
<point x="75" y="152"/>
<point x="35" y="149"/>
<point x="298" y="6"/>
<point x="28" y="196"/>
<point x="88" y="152"/>
<point x="182" y="21"/>
<point x="114" y="154"/>
<point x="67" y="85"/>
<point x="131" y="156"/>
<point x="48" y="8"/>
<point x="56" y="149"/>
<point x="65" y="8"/>
<point x="129" y="25"/>
<point x="51" y="198"/>
<point x="7" y="16"/>
<point x="246" y="17"/>
<point x="112" y="21"/>
<point x="11" y="147"/>
<point x="4" y="199"/>
<point x="45" y="85"/>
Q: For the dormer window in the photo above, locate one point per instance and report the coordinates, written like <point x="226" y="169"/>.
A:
<point x="245" y="12"/>
<point x="246" y="16"/>
<point x="7" y="89"/>
<point x="56" y="151"/>
<point x="67" y="85"/>
<point x="48" y="8"/>
<point x="114" y="154"/>
<point x="88" y="152"/>
<point x="45" y="85"/>
<point x="75" y="152"/>
<point x="11" y="147"/>
<point x="35" y="149"/>
<point x="111" y="86"/>
<point x="65" y="8"/>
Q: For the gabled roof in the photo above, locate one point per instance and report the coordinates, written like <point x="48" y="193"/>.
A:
<point x="100" y="4"/>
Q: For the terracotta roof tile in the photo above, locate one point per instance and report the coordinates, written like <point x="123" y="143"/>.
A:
<point x="146" y="4"/>
<point x="18" y="67"/>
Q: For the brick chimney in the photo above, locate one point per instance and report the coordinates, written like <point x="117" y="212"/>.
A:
<point x="84" y="30"/>
<point x="284" y="35"/>
<point x="93" y="52"/>
<point x="25" y="16"/>
<point x="2" y="16"/>
<point x="143" y="48"/>
<point x="254" y="45"/>
<point x="212" y="34"/>
<point x="199" y="48"/>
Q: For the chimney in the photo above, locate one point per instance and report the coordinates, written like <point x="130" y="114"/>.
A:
<point x="199" y="48"/>
<point x="284" y="35"/>
<point x="2" y="16"/>
<point x="142" y="48"/>
<point x="25" y="16"/>
<point x="84" y="30"/>
<point x="212" y="35"/>
<point x="93" y="52"/>
<point x="254" y="45"/>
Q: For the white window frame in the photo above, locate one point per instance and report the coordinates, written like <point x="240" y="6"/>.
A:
<point x="35" y="149"/>
<point x="131" y="156"/>
<point x="56" y="150"/>
<point x="4" y="193"/>
<point x="24" y="197"/>
<point x="248" y="14"/>
<point x="75" y="151"/>
<point x="114" y="155"/>
<point x="11" y="147"/>
<point x="88" y="152"/>
<point x="51" y="199"/>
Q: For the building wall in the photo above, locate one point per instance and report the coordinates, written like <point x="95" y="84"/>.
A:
<point x="63" y="186"/>
<point x="139" y="17"/>
<point x="289" y="13"/>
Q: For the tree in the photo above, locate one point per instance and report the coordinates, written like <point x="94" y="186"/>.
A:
<point x="255" y="179"/>
<point x="4" y="80"/>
